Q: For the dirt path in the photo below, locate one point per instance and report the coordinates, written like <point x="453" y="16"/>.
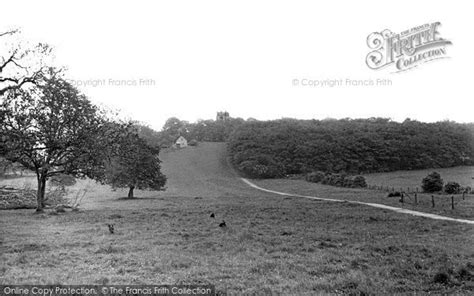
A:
<point x="375" y="205"/>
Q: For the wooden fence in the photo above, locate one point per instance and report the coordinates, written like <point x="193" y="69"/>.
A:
<point x="414" y="195"/>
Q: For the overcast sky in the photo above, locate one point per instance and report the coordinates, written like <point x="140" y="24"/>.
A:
<point x="192" y="58"/>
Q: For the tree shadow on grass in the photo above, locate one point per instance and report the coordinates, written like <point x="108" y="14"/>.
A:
<point x="138" y="198"/>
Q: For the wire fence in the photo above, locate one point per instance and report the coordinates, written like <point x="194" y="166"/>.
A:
<point x="415" y="196"/>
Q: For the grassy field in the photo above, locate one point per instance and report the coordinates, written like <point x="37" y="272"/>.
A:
<point x="271" y="243"/>
<point x="412" y="179"/>
<point x="464" y="208"/>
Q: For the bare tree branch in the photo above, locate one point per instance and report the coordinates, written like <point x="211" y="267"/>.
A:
<point x="23" y="74"/>
<point x="18" y="84"/>
<point x="11" y="32"/>
<point x="10" y="59"/>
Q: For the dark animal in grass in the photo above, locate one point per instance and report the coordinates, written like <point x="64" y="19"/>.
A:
<point x="111" y="228"/>
<point x="222" y="224"/>
<point x="441" y="278"/>
<point x="372" y="219"/>
<point x="212" y="215"/>
<point x="394" y="194"/>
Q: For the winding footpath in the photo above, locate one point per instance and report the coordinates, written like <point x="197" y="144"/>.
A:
<point x="375" y="205"/>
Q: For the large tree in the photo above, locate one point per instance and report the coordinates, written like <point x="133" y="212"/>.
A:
<point x="52" y="129"/>
<point x="134" y="164"/>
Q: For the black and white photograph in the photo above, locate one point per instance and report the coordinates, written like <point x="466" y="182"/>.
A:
<point x="152" y="148"/>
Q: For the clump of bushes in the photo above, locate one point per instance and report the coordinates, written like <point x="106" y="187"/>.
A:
<point x="193" y="143"/>
<point x="432" y="183"/>
<point x="394" y="194"/>
<point x="468" y="190"/>
<point x="334" y="180"/>
<point x="315" y="177"/>
<point x="452" y="188"/>
<point x="358" y="182"/>
<point x="340" y="180"/>
<point x="261" y="167"/>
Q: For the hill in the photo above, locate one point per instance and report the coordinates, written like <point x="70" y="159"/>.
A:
<point x="200" y="171"/>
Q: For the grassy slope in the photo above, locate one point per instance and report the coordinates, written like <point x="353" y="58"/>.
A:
<point x="271" y="242"/>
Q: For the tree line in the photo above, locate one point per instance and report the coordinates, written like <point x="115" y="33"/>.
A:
<point x="269" y="149"/>
<point x="203" y="130"/>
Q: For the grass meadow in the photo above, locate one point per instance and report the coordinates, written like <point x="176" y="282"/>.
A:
<point x="271" y="243"/>
<point x="412" y="179"/>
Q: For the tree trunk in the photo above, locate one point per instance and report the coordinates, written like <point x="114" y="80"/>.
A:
<point x="41" y="190"/>
<point x="130" y="192"/>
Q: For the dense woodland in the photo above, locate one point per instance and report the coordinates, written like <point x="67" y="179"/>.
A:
<point x="288" y="146"/>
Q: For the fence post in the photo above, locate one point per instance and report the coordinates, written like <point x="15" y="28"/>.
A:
<point x="401" y="199"/>
<point x="452" y="202"/>
<point x="416" y="198"/>
<point x="432" y="201"/>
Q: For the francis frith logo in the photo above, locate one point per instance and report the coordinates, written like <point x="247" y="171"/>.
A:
<point x="407" y="49"/>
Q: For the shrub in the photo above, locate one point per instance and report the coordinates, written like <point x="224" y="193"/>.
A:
<point x="315" y="177"/>
<point x="432" y="183"/>
<point x="452" y="188"/>
<point x="354" y="182"/>
<point x="340" y="180"/>
<point x="348" y="182"/>
<point x="260" y="168"/>
<point x="394" y="194"/>
<point x="326" y="179"/>
<point x="359" y="182"/>
<point x="334" y="180"/>
<point x="193" y="143"/>
<point x="463" y="273"/>
<point x="441" y="277"/>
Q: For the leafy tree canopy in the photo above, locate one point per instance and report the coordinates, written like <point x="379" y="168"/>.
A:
<point x="134" y="164"/>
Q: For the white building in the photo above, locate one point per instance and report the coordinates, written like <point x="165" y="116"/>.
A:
<point x="181" y="142"/>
